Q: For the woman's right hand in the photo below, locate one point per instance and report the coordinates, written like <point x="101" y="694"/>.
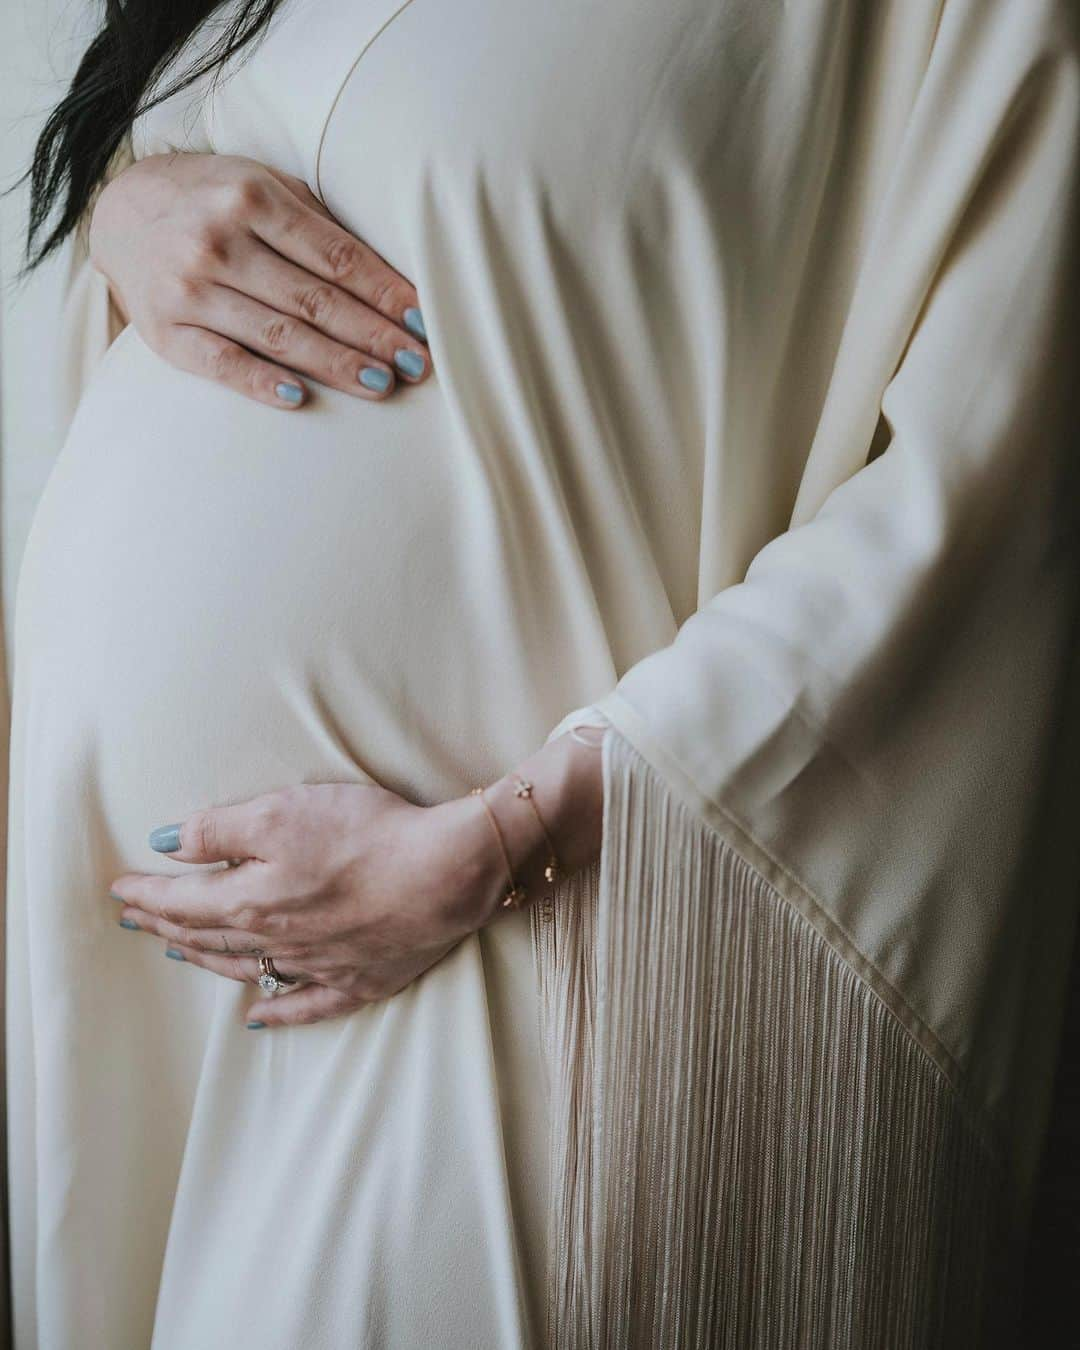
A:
<point x="236" y="271"/>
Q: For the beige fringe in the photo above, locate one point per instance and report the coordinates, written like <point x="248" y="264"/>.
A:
<point x="749" y="1150"/>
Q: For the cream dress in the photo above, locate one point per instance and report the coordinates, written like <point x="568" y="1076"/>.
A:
<point x="714" y="293"/>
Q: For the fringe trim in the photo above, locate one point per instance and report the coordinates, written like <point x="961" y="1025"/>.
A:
<point x="748" y="1149"/>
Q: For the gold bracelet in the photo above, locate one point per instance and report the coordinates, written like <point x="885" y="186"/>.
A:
<point x="515" y="895"/>
<point x="553" y="869"/>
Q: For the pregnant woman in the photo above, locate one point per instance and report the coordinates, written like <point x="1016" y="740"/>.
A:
<point x="715" y="401"/>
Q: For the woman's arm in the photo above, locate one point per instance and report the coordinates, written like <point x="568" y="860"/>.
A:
<point x="90" y="318"/>
<point x="233" y="270"/>
<point x="351" y="889"/>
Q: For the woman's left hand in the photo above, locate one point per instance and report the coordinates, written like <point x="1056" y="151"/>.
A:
<point x="348" y="887"/>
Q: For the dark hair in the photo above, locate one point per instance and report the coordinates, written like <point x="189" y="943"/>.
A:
<point x="120" y="67"/>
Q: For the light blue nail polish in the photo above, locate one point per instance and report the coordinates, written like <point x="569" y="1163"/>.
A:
<point x="288" y="393"/>
<point x="128" y="923"/>
<point x="371" y="377"/>
<point x="165" y="839"/>
<point x="174" y="955"/>
<point x="255" y="1026"/>
<point x="414" y="322"/>
<point x="409" y="362"/>
<point x="114" y="896"/>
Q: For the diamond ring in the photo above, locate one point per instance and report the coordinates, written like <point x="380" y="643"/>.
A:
<point x="271" y="980"/>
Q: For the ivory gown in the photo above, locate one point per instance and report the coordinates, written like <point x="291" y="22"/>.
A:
<point x="218" y="599"/>
<point x="667" y="271"/>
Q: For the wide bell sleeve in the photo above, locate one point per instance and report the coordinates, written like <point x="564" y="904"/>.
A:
<point x="803" y="1015"/>
<point x="90" y="320"/>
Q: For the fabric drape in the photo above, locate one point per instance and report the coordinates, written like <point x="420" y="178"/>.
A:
<point x="840" y="851"/>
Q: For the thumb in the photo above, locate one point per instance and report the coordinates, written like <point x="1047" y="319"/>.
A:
<point x="312" y="1003"/>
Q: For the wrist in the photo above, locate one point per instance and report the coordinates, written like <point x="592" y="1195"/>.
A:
<point x="567" y="792"/>
<point x="475" y="879"/>
<point x="121" y="316"/>
<point x="564" y="817"/>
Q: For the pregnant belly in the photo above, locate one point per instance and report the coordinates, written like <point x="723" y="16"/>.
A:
<point x="218" y="598"/>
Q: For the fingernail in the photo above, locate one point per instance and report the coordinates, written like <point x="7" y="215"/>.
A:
<point x="174" y="955"/>
<point x="289" y="393"/>
<point x="408" y="361"/>
<point x="114" y="896"/>
<point x="414" y="322"/>
<point x="127" y="923"/>
<point x="255" y="1026"/>
<point x="165" y="839"/>
<point x="371" y="377"/>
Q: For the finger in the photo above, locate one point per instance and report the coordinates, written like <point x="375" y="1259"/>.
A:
<point x="288" y="289"/>
<point x="223" y="941"/>
<point x="200" y="352"/>
<point x="300" y="190"/>
<point x="312" y="1003"/>
<point x="411" y="317"/>
<point x="320" y="245"/>
<point x="242" y="968"/>
<point x="221" y="834"/>
<point x="293" y="341"/>
<point x="211" y="899"/>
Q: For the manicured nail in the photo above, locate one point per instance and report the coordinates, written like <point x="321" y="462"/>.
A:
<point x="127" y="923"/>
<point x="371" y="377"/>
<point x="289" y="393"/>
<point x="408" y="361"/>
<point x="174" y="955"/>
<point x="414" y="322"/>
<point x="255" y="1026"/>
<point x="165" y="839"/>
<point x="114" y="896"/>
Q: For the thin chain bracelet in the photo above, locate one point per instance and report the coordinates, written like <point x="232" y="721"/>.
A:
<point x="515" y="895"/>
<point x="553" y="868"/>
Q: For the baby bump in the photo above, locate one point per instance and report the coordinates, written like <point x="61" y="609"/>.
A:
<point x="219" y="597"/>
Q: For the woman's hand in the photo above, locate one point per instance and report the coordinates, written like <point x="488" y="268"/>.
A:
<point x="349" y="887"/>
<point x="236" y="271"/>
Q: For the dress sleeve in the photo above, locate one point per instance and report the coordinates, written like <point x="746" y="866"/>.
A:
<point x="90" y="320"/>
<point x="821" y="647"/>
<point x="823" y="956"/>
